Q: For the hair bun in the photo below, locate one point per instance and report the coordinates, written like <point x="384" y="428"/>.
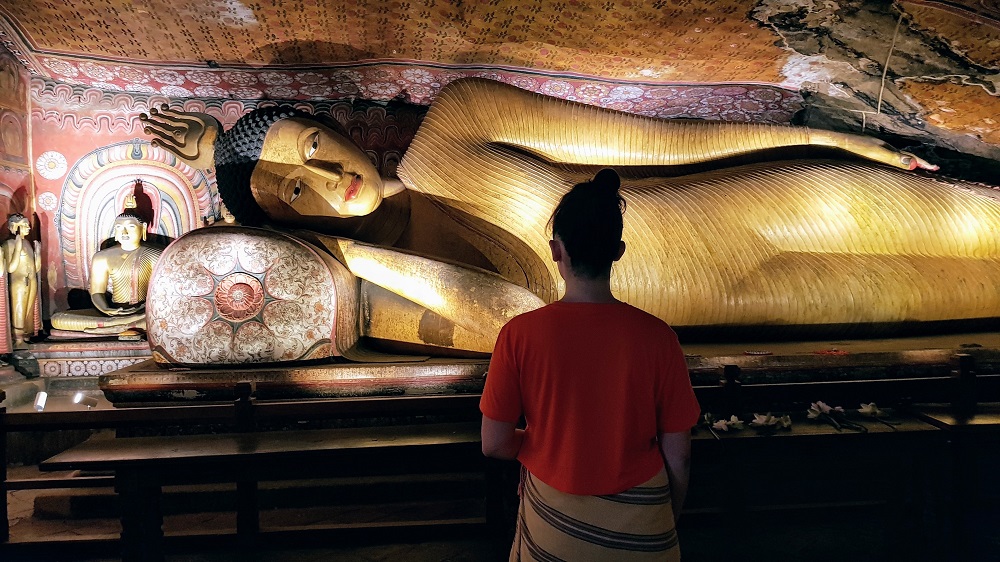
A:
<point x="607" y="179"/>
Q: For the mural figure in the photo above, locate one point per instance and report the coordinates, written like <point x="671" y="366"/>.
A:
<point x="22" y="258"/>
<point x="11" y="137"/>
<point x="123" y="270"/>
<point x="12" y="89"/>
<point x="721" y="233"/>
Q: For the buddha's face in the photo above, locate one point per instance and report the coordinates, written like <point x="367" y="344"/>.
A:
<point x="315" y="171"/>
<point x="20" y="227"/>
<point x="128" y="232"/>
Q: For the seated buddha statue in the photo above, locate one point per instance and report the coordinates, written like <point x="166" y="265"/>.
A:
<point x="123" y="270"/>
<point x="720" y="233"/>
<point x="22" y="258"/>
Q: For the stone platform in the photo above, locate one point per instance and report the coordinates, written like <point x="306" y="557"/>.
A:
<point x="831" y="360"/>
<point x="147" y="382"/>
<point x="63" y="368"/>
<point x="774" y="362"/>
<point x="85" y="357"/>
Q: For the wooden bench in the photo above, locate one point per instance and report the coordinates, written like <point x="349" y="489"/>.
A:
<point x="963" y="388"/>
<point x="143" y="465"/>
<point x="972" y="492"/>
<point x="243" y="414"/>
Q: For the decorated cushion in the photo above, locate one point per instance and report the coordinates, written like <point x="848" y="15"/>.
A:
<point x="236" y="295"/>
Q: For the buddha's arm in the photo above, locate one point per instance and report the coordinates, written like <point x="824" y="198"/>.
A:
<point x="477" y="300"/>
<point x="99" y="286"/>
<point x="482" y="112"/>
<point x="14" y="257"/>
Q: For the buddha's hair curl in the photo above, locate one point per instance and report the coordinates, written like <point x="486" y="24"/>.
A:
<point x="129" y="214"/>
<point x="588" y="221"/>
<point x="236" y="153"/>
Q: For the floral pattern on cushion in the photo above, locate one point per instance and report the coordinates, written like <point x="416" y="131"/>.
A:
<point x="234" y="295"/>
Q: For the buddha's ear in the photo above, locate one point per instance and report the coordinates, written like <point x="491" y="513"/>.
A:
<point x="143" y="231"/>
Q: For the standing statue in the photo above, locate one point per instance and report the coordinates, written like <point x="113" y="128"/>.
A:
<point x="123" y="270"/>
<point x="23" y="259"/>
<point x="831" y="243"/>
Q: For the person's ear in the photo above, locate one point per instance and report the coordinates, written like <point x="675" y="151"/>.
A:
<point x="556" y="246"/>
<point x="621" y="250"/>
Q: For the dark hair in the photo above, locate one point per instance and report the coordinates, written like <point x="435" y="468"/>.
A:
<point x="131" y="214"/>
<point x="236" y="154"/>
<point x="588" y="221"/>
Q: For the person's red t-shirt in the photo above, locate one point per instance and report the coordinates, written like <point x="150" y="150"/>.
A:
<point x="596" y="384"/>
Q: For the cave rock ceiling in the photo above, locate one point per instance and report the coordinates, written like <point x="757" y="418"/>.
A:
<point x="916" y="71"/>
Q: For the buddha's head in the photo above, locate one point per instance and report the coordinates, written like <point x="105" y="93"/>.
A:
<point x="129" y="230"/>
<point x="280" y="163"/>
<point x="18" y="224"/>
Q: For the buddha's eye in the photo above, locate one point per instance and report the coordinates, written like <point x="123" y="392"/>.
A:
<point x="296" y="192"/>
<point x="313" y="145"/>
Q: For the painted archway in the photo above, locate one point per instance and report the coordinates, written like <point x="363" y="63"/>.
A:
<point x="183" y="198"/>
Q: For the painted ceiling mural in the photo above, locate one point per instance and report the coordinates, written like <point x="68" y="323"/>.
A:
<point x="920" y="70"/>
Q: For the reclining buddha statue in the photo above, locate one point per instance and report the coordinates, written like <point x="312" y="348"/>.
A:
<point x="720" y="233"/>
<point x="123" y="270"/>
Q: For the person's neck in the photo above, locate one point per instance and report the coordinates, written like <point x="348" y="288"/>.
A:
<point x="583" y="289"/>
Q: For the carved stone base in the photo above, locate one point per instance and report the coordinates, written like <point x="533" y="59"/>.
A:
<point x="146" y="382"/>
<point x="774" y="362"/>
<point x="845" y="360"/>
<point x="79" y="358"/>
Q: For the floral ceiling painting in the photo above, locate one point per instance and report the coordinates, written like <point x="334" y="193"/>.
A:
<point x="921" y="70"/>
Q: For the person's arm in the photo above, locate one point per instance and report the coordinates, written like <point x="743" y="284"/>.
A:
<point x="676" y="448"/>
<point x="501" y="440"/>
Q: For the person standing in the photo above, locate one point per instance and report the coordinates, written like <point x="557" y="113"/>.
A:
<point x="608" y="406"/>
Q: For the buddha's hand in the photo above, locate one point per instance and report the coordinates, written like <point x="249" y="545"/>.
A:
<point x="870" y="148"/>
<point x="189" y="135"/>
<point x="126" y="310"/>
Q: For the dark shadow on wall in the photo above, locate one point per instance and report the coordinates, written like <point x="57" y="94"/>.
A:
<point x="306" y="52"/>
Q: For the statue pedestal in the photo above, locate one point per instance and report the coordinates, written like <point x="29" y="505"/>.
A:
<point x="82" y="358"/>
<point x="147" y="383"/>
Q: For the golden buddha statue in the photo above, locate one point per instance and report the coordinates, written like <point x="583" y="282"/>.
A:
<point x="846" y="242"/>
<point x="124" y="270"/>
<point x="23" y="260"/>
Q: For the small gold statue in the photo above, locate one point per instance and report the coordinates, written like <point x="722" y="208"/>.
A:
<point x="123" y="270"/>
<point x="843" y="242"/>
<point x="23" y="259"/>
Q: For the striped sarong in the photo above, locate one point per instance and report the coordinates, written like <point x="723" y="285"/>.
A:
<point x="637" y="524"/>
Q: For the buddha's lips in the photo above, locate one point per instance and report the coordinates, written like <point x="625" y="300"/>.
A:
<point x="353" y="189"/>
